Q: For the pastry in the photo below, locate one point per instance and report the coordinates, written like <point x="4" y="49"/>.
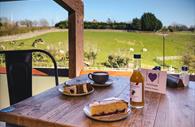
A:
<point x="108" y="106"/>
<point x="77" y="88"/>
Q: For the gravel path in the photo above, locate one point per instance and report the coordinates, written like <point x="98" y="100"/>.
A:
<point x="28" y="35"/>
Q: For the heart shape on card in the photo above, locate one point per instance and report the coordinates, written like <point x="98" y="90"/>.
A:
<point x="152" y="76"/>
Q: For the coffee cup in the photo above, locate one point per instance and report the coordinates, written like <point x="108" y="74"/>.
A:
<point x="99" y="77"/>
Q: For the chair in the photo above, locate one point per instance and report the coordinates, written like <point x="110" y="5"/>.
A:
<point x="19" y="73"/>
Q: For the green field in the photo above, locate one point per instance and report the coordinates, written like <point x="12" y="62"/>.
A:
<point x="118" y="42"/>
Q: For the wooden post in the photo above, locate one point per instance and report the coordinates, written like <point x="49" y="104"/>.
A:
<point x="75" y="10"/>
<point x="163" y="51"/>
<point x="75" y="44"/>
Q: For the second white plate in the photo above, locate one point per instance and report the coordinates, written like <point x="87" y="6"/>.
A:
<point x="61" y="89"/>
<point x="107" y="118"/>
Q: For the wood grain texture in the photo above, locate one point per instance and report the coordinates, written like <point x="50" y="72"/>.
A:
<point x="177" y="108"/>
<point x="75" y="22"/>
<point x="52" y="109"/>
<point x="71" y="5"/>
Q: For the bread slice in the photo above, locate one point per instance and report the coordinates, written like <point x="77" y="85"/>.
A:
<point x="108" y="106"/>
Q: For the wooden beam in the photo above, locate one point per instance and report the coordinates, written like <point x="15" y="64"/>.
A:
<point x="71" y="5"/>
<point x="75" y="44"/>
<point x="75" y="21"/>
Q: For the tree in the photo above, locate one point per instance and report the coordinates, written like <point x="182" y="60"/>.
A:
<point x="136" y="24"/>
<point x="170" y="28"/>
<point x="26" y="22"/>
<point x="158" y="25"/>
<point x="164" y="29"/>
<point x="44" y="23"/>
<point x="109" y="20"/>
<point x="177" y="27"/>
<point x="192" y="28"/>
<point x="62" y="24"/>
<point x="4" y="20"/>
<point x="150" y="23"/>
<point x="34" y="23"/>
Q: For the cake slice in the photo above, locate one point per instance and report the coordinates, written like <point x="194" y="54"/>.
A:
<point x="77" y="88"/>
<point x="108" y="107"/>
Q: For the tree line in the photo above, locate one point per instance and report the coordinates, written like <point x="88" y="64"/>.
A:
<point x="9" y="27"/>
<point x="5" y="22"/>
<point x="179" y="27"/>
<point x="96" y="25"/>
<point x="147" y="22"/>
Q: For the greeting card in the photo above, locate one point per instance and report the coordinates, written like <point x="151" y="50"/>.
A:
<point x="155" y="80"/>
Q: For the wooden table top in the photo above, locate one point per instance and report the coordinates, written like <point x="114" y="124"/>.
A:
<point x="52" y="109"/>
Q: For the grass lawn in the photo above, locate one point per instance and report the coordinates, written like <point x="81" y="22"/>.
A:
<point x="117" y="42"/>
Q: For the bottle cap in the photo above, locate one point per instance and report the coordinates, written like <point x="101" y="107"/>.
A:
<point x="184" y="68"/>
<point x="137" y="56"/>
<point x="157" y="68"/>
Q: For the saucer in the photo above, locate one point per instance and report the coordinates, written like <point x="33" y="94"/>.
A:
<point x="108" y="83"/>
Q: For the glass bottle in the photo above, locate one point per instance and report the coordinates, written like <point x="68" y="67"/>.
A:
<point x="184" y="76"/>
<point x="137" y="84"/>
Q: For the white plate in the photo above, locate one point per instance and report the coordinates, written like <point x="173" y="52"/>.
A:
<point x="107" y="118"/>
<point x="61" y="89"/>
<point x="108" y="83"/>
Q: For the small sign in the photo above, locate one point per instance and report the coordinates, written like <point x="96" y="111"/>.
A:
<point x="155" y="80"/>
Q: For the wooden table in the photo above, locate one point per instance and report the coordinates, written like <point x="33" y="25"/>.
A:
<point x="52" y="109"/>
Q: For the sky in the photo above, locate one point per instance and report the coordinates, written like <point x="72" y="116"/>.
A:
<point x="168" y="11"/>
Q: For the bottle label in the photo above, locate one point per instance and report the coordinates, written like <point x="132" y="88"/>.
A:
<point x="185" y="79"/>
<point x="136" y="92"/>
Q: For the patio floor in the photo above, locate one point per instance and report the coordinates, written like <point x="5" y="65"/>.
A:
<point x="40" y="84"/>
